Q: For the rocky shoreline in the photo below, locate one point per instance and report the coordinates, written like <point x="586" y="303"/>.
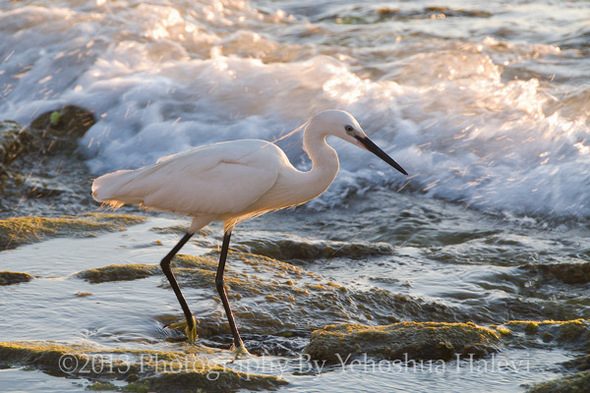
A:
<point x="340" y="343"/>
<point x="43" y="181"/>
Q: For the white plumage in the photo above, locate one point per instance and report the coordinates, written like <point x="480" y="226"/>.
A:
<point x="231" y="181"/>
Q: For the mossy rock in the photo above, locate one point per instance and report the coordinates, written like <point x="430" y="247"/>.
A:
<point x="574" y="383"/>
<point x="574" y="333"/>
<point x="41" y="355"/>
<point x="183" y="264"/>
<point x="282" y="296"/>
<point x="217" y="379"/>
<point x="180" y="370"/>
<point x="402" y="341"/>
<point x="22" y="230"/>
<point x="132" y="271"/>
<point x="9" y="278"/>
<point x="98" y="386"/>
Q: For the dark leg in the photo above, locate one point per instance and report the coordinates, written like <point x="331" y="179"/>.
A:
<point x="238" y="344"/>
<point x="191" y="329"/>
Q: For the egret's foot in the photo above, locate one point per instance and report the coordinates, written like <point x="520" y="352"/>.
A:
<point x="240" y="350"/>
<point x="191" y="334"/>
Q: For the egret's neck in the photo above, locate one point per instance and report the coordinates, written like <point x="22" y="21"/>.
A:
<point x="324" y="160"/>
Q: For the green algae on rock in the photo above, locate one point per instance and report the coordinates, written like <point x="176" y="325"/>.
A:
<point x="128" y="272"/>
<point x="182" y="370"/>
<point x="402" y="341"/>
<point x="9" y="278"/>
<point x="184" y="264"/>
<point x="22" y="230"/>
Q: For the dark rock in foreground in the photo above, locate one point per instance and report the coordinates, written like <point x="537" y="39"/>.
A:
<point x="574" y="383"/>
<point x="180" y="370"/>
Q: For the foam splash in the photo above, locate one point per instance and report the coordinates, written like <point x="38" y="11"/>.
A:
<point x="193" y="73"/>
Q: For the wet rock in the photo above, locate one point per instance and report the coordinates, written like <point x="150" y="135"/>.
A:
<point x="9" y="278"/>
<point x="268" y="295"/>
<point x="177" y="370"/>
<point x="53" y="132"/>
<point x="402" y="341"/>
<point x="132" y="271"/>
<point x="39" y="172"/>
<point x="58" y="131"/>
<point x="22" y="230"/>
<point x="580" y="363"/>
<point x="288" y="248"/>
<point x="574" y="383"/>
<point x="36" y="184"/>
<point x="568" y="273"/>
<point x="12" y="135"/>
<point x="573" y="333"/>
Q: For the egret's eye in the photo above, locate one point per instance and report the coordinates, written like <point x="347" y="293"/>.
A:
<point x="349" y="130"/>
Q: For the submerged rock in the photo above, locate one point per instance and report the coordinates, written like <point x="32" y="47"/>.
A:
<point x="177" y="370"/>
<point x="22" y="230"/>
<point x="402" y="341"/>
<point x="9" y="278"/>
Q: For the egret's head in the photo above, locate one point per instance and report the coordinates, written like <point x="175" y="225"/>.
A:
<point x="338" y="123"/>
<point x="343" y="125"/>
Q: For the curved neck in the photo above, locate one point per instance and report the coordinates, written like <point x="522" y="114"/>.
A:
<point x="324" y="161"/>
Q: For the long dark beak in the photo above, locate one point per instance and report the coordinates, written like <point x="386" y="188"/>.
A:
<point x="373" y="148"/>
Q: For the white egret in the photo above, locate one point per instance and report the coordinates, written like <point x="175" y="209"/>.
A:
<point x="231" y="181"/>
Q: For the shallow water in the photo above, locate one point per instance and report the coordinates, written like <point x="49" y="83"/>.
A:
<point x="131" y="314"/>
<point x="484" y="103"/>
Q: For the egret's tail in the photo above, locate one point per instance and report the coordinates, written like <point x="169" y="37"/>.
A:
<point x="113" y="189"/>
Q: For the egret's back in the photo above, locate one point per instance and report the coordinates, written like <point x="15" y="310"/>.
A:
<point x="217" y="180"/>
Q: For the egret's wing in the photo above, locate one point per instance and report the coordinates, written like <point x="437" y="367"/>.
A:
<point x="220" y="179"/>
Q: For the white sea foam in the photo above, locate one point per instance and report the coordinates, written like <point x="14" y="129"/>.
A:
<point x="167" y="76"/>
